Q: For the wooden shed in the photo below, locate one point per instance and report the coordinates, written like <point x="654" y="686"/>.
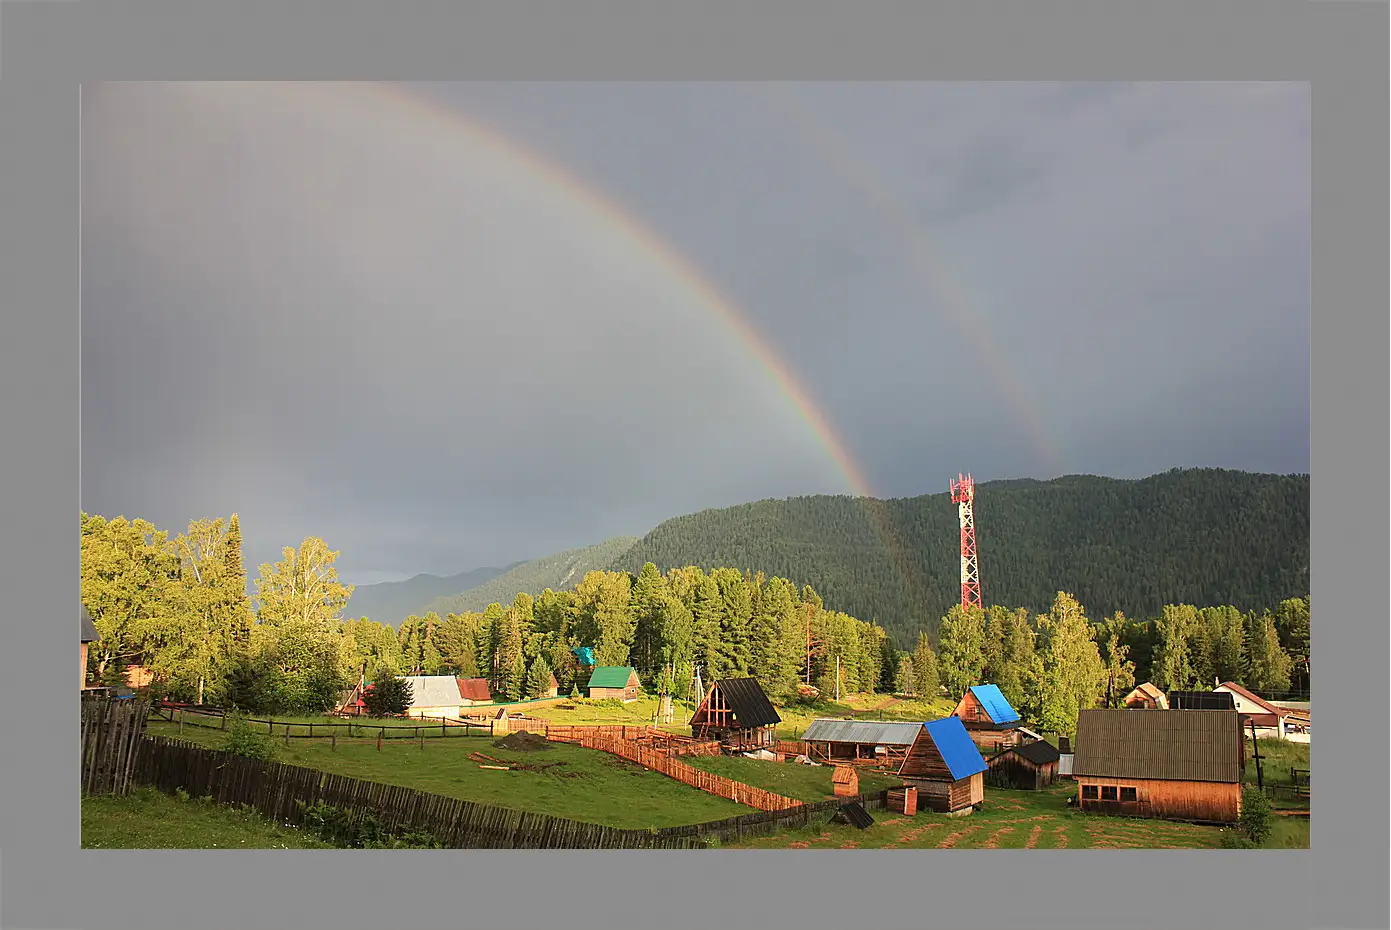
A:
<point x="1146" y="697"/>
<point x="1031" y="766"/>
<point x="738" y="714"/>
<point x="988" y="718"/>
<point x="614" y="682"/>
<point x="867" y="741"/>
<point x="946" y="767"/>
<point x="1180" y="765"/>
<point x="89" y="635"/>
<point x="845" y="781"/>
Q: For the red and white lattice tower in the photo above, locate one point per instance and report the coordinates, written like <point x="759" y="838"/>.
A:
<point x="963" y="495"/>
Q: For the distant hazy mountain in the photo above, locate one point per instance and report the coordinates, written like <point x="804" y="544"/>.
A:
<point x="391" y="602"/>
<point x="557" y="572"/>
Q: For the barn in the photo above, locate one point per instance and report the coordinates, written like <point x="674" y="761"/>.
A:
<point x="614" y="683"/>
<point x="1269" y="719"/>
<point x="1030" y="766"/>
<point x="1177" y="766"/>
<point x="859" y="740"/>
<point x="442" y="695"/>
<point x="988" y="718"/>
<point x="1146" y="697"/>
<point x="737" y="713"/>
<point x="946" y="768"/>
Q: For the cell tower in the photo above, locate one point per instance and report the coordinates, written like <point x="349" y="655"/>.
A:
<point x="963" y="495"/>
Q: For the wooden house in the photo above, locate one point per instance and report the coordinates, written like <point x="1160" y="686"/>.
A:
<point x="738" y="714"/>
<point x="1270" y="720"/>
<point x="552" y="688"/>
<point x="988" y="718"/>
<point x="946" y="767"/>
<point x="609" y="682"/>
<point x="89" y="635"/>
<point x="1146" y="697"/>
<point x="865" y="741"/>
<point x="1179" y="765"/>
<point x="845" y="781"/>
<point x="1031" y="766"/>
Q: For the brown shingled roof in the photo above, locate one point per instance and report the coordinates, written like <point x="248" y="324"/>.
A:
<point x="1190" y="745"/>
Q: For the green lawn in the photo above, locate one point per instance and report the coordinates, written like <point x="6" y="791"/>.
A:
<point x="591" y="786"/>
<point x="149" y="819"/>
<point x="1017" y="820"/>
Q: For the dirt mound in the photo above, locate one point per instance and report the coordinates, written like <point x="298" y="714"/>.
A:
<point x="522" y="741"/>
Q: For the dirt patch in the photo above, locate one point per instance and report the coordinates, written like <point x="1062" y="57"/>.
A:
<point x="1034" y="834"/>
<point x="799" y="844"/>
<point x="993" y="840"/>
<point x="850" y="846"/>
<point x="1061" y="834"/>
<point x="522" y="741"/>
<point x="951" y="841"/>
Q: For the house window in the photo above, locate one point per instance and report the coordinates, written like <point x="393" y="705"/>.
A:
<point x="1128" y="794"/>
<point x="1089" y="792"/>
<point x="1108" y="792"/>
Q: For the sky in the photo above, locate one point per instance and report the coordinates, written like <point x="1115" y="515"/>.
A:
<point x="452" y="326"/>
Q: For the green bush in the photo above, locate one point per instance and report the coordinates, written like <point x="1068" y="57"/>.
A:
<point x="1257" y="818"/>
<point x="244" y="741"/>
<point x="342" y="829"/>
<point x="1236" y="839"/>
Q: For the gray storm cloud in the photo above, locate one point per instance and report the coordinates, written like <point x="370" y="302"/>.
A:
<point x="348" y="316"/>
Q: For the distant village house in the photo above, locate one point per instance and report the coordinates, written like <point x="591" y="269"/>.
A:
<point x="609" y="682"/>
<point x="988" y="718"/>
<point x="738" y="714"/>
<point x="1146" y="697"/>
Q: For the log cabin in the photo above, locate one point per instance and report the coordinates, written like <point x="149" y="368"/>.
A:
<point x="945" y="767"/>
<point x="1146" y="697"/>
<point x="859" y="741"/>
<point x="609" y="682"/>
<point x="1181" y="765"/>
<point x="988" y="717"/>
<point x="738" y="714"/>
<point x="1030" y="766"/>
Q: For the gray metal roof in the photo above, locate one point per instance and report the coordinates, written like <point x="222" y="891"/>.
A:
<point x="434" y="690"/>
<point x="875" y="732"/>
<point x="89" y="629"/>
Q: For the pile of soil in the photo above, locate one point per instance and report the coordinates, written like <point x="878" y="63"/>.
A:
<point x="522" y="741"/>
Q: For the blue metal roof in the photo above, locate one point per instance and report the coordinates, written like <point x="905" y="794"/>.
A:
<point x="960" y="754"/>
<point x="585" y="654"/>
<point x="994" y="703"/>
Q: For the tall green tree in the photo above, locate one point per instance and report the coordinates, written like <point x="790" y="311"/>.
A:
<point x="926" y="681"/>
<point x="303" y="587"/>
<point x="1292" y="624"/>
<point x="1120" y="671"/>
<point x="961" y="649"/>
<point x="1021" y="667"/>
<point x="1173" y="666"/>
<point x="1226" y="638"/>
<point x="904" y="679"/>
<point x="602" y="615"/>
<point x="649" y="603"/>
<point x="538" y="678"/>
<point x="1074" y="675"/>
<point x="1267" y="665"/>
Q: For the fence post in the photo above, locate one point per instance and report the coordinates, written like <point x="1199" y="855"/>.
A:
<point x="380" y="734"/>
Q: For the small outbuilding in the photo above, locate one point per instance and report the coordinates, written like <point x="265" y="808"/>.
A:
<point x="614" y="683"/>
<point x="988" y="718"/>
<point x="1031" y="766"/>
<point x="845" y="781"/>
<point x="738" y="714"/>
<point x="1146" y="697"/>
<point x="89" y="635"/>
<point x="1181" y="765"/>
<point x="945" y="767"/>
<point x="859" y="740"/>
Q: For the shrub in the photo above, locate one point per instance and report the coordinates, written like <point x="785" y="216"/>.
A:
<point x="244" y="741"/>
<point x="1236" y="839"/>
<point x="1257" y="819"/>
<point x="341" y="828"/>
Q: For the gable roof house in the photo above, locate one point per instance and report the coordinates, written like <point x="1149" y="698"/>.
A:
<point x="1030" y="766"/>
<point x="1269" y="719"/>
<point x="859" y="740"/>
<point x="988" y="717"/>
<point x="1179" y="765"/>
<point x="946" y="767"/>
<point x="737" y="713"/>
<point x="1146" y="697"/>
<point x="437" y="696"/>
<point x="89" y="635"/>
<point x="609" y="682"/>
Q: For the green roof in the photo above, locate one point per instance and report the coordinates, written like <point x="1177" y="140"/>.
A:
<point x="609" y="676"/>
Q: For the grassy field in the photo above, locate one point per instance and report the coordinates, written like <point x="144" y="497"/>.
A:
<point x="1019" y="820"/>
<point x="591" y="786"/>
<point x="148" y="819"/>
<point x="800" y="782"/>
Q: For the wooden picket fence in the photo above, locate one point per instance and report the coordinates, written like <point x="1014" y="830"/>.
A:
<point x="111" y="735"/>
<point x="282" y="792"/>
<point x="672" y="767"/>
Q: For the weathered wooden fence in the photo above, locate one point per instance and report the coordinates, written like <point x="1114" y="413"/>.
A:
<point x="276" y="790"/>
<point x="111" y="734"/>
<point x="765" y="823"/>
<point x="674" y="768"/>
<point x="211" y="718"/>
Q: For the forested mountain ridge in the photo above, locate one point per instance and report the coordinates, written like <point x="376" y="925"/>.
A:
<point x="1206" y="536"/>
<point x="393" y="601"/>
<point x="558" y="572"/>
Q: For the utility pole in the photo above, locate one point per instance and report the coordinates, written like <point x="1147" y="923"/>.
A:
<point x="837" y="679"/>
